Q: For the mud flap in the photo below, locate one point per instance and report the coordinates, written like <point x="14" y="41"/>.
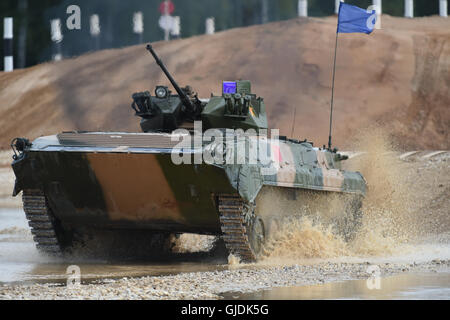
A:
<point x="17" y="188"/>
<point x="246" y="179"/>
<point x="249" y="182"/>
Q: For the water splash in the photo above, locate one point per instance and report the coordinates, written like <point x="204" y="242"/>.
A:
<point x="390" y="222"/>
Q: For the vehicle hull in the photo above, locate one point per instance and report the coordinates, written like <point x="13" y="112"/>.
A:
<point x="137" y="182"/>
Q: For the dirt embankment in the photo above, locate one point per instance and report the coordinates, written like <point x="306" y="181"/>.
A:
<point x="398" y="76"/>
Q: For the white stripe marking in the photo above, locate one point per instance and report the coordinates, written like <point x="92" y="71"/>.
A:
<point x="8" y="28"/>
<point x="432" y="154"/>
<point x="407" y="154"/>
<point x="9" y="64"/>
<point x="351" y="154"/>
<point x="356" y="154"/>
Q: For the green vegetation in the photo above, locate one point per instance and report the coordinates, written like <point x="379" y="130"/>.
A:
<point x="116" y="17"/>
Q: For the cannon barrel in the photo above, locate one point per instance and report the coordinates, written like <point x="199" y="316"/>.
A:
<point x="184" y="99"/>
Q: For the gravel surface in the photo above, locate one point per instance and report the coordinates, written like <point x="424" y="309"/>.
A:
<point x="210" y="285"/>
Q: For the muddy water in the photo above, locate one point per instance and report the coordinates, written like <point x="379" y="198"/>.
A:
<point x="433" y="286"/>
<point x="21" y="262"/>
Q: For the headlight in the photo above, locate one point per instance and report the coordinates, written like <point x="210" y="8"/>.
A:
<point x="161" y="92"/>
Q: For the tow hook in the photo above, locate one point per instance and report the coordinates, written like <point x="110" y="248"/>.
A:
<point x="18" y="145"/>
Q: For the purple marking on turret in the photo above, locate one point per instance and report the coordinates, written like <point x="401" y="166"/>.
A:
<point x="229" y="87"/>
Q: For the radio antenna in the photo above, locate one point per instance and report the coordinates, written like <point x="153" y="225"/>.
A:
<point x="293" y="122"/>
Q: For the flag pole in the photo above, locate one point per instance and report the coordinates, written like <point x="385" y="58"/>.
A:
<point x="355" y="20"/>
<point x="332" y="90"/>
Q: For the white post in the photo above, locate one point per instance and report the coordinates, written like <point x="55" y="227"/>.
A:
<point x="138" y="25"/>
<point x="443" y="7"/>
<point x="95" y="25"/>
<point x="176" y="29"/>
<point x="166" y="22"/>
<point x="302" y="8"/>
<point x="409" y="8"/>
<point x="8" y="44"/>
<point x="338" y="3"/>
<point x="378" y="7"/>
<point x="210" y="26"/>
<point x="56" y="36"/>
<point x="95" y="29"/>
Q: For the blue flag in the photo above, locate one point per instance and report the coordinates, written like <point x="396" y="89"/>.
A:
<point x="353" y="19"/>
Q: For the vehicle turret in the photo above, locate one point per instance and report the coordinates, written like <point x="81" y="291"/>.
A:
<point x="236" y="108"/>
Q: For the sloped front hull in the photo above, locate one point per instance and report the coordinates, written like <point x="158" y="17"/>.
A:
<point x="127" y="190"/>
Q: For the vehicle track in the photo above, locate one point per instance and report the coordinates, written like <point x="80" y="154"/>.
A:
<point x="41" y="222"/>
<point x="234" y="227"/>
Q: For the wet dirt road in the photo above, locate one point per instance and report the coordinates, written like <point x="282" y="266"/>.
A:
<point x="20" y="262"/>
<point x="26" y="274"/>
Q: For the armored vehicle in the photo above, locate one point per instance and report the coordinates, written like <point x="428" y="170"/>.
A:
<point x="193" y="169"/>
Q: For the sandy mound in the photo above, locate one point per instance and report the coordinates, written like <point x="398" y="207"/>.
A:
<point x="399" y="77"/>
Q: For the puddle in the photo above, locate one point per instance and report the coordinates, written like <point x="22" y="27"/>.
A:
<point x="434" y="286"/>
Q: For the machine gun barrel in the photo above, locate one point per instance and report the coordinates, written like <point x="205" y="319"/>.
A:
<point x="184" y="99"/>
